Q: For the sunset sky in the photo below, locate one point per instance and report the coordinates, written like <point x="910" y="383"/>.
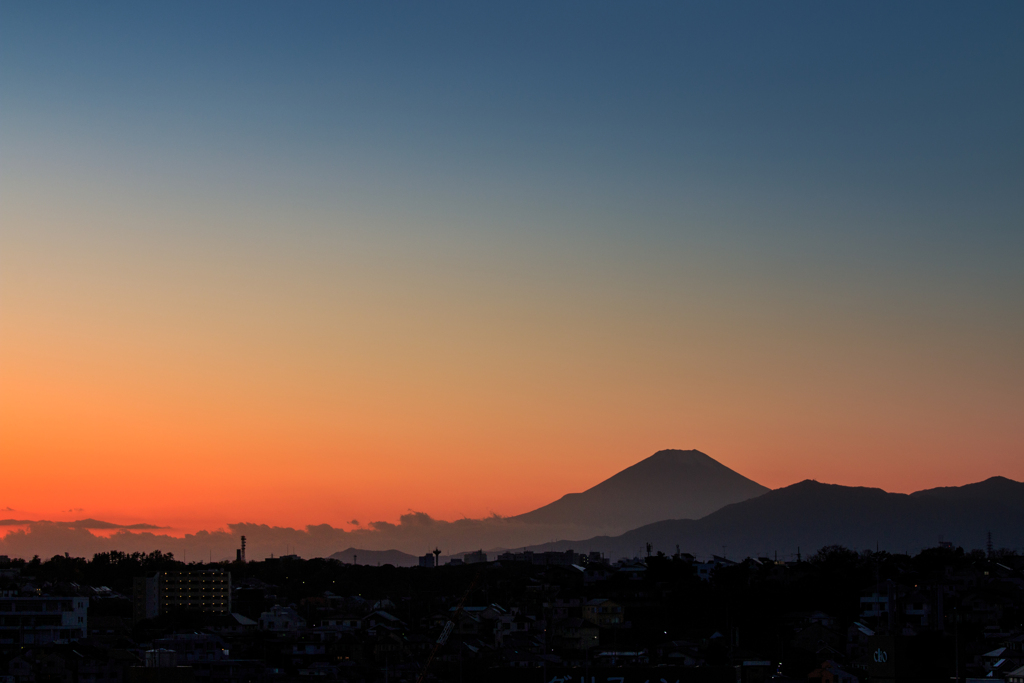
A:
<point x="298" y="263"/>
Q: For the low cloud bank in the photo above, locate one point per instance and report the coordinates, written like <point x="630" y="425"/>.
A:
<point x="416" y="533"/>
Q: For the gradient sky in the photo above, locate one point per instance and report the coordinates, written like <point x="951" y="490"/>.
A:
<point x="313" y="262"/>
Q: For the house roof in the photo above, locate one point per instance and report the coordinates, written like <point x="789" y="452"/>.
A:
<point x="481" y="608"/>
<point x="863" y="629"/>
<point x="596" y="601"/>
<point x="383" y="616"/>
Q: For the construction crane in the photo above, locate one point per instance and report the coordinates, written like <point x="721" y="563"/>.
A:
<point x="448" y="628"/>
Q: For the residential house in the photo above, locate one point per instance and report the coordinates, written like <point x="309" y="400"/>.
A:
<point x="831" y="673"/>
<point x="513" y="626"/>
<point x="194" y="647"/>
<point x="574" y="633"/>
<point x="604" y="613"/>
<point x="281" y="620"/>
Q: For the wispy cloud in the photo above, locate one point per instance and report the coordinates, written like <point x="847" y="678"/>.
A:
<point x="79" y="524"/>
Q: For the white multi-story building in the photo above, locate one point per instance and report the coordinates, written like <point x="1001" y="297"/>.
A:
<point x="42" y="619"/>
<point x="281" y="620"/>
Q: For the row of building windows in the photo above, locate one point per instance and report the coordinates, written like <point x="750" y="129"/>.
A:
<point x="36" y="606"/>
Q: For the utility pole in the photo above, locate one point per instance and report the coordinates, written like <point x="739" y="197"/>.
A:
<point x="956" y="643"/>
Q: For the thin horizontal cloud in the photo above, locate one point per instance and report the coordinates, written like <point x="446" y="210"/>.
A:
<point x="80" y="524"/>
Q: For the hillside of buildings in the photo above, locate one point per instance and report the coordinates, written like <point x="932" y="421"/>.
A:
<point x="941" y="613"/>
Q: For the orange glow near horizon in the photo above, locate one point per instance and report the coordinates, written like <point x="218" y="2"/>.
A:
<point x="275" y="406"/>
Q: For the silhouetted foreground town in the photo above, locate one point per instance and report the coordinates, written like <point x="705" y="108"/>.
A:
<point x="833" y="616"/>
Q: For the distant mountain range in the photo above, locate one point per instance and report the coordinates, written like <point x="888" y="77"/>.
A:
<point x="809" y="515"/>
<point x="673" y="498"/>
<point x="671" y="484"/>
<point x="376" y="557"/>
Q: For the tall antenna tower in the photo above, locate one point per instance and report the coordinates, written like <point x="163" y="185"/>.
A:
<point x="240" y="552"/>
<point x="988" y="544"/>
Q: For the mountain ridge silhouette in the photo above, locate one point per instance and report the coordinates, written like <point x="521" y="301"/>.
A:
<point x="805" y="515"/>
<point x="808" y="515"/>
<point x="671" y="484"/>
